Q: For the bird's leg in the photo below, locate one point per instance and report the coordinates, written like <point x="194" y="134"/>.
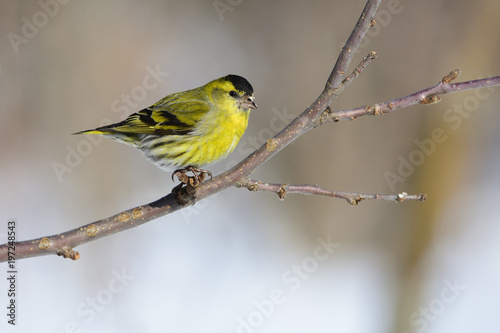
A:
<point x="194" y="181"/>
<point x="184" y="194"/>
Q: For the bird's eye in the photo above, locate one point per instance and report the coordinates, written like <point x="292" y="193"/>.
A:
<point x="233" y="93"/>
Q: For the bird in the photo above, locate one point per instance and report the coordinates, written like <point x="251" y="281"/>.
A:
<point x="187" y="130"/>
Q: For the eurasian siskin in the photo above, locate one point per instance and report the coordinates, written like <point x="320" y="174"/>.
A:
<point x="188" y="129"/>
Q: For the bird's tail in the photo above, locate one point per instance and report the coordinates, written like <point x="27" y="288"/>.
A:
<point x="110" y="133"/>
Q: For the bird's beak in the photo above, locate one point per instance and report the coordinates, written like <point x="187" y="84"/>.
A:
<point x="248" y="103"/>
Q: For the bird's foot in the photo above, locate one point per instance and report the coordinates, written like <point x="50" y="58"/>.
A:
<point x="199" y="175"/>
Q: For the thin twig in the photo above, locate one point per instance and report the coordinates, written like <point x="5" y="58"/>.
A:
<point x="426" y="96"/>
<point x="353" y="198"/>
<point x="362" y="65"/>
<point x="364" y="23"/>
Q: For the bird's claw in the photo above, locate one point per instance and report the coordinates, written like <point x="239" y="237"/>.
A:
<point x="199" y="175"/>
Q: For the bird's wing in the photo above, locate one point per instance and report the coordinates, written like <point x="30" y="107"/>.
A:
<point x="172" y="118"/>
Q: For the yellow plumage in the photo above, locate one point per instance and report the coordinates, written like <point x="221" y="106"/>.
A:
<point x="190" y="128"/>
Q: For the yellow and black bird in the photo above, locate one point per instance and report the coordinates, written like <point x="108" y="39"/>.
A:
<point x="189" y="129"/>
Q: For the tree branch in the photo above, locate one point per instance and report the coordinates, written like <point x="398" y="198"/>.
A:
<point x="353" y="198"/>
<point x="426" y="96"/>
<point x="317" y="113"/>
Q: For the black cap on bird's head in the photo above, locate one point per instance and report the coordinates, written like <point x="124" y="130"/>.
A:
<point x="240" y="83"/>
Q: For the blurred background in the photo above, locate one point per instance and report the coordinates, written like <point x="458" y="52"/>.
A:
<point x="242" y="261"/>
